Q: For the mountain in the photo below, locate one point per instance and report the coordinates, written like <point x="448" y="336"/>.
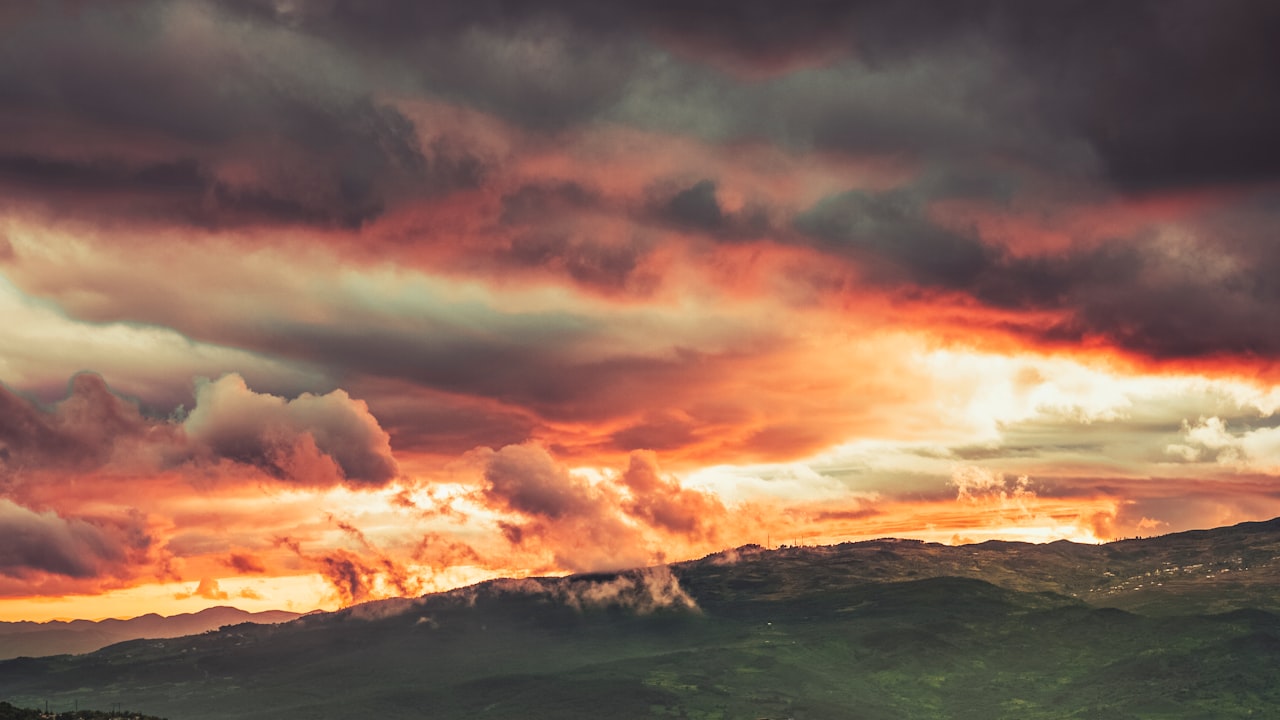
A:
<point x="57" y="637"/>
<point x="1179" y="626"/>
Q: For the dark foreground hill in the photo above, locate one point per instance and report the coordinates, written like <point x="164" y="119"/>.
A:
<point x="81" y="636"/>
<point x="1181" y="626"/>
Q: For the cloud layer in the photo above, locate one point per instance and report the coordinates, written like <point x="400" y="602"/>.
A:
<point x="513" y="288"/>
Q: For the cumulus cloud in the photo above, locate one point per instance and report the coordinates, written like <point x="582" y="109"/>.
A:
<point x="312" y="439"/>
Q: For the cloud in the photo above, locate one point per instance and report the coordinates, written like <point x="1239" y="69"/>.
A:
<point x="890" y="234"/>
<point x="273" y="142"/>
<point x="1139" y="120"/>
<point x="977" y="95"/>
<point x="1211" y="440"/>
<point x="420" y="420"/>
<point x="593" y="234"/>
<point x="207" y="588"/>
<point x="622" y="520"/>
<point x="642" y="590"/>
<point x="87" y="429"/>
<point x="150" y="362"/>
<point x="975" y="484"/>
<point x="577" y="521"/>
<point x="245" y="563"/>
<point x="699" y="208"/>
<point x="310" y="440"/>
<point x="348" y="574"/>
<point x="44" y="542"/>
<point x="525" y="479"/>
<point x="663" y="503"/>
<point x="358" y="575"/>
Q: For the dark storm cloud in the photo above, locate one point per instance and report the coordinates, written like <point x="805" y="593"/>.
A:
<point x="892" y="227"/>
<point x="185" y="191"/>
<point x="218" y="114"/>
<point x="445" y="424"/>
<point x="698" y="207"/>
<point x="548" y="226"/>
<point x="1201" y="287"/>
<point x="905" y="79"/>
<point x="585" y="260"/>
<point x="1164" y="93"/>
<point x="1156" y="94"/>
<point x="544" y="65"/>
<point x="756" y="31"/>
<point x="170" y="110"/>
<point x="538" y="203"/>
<point x="531" y="366"/>
<point x="1167" y="93"/>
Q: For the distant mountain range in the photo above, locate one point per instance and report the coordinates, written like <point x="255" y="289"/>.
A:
<point x="1178" y="626"/>
<point x="57" y="637"/>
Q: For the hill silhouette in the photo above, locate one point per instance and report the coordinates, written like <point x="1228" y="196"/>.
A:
<point x="59" y="637"/>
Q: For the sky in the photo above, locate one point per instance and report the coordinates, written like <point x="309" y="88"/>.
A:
<point x="311" y="302"/>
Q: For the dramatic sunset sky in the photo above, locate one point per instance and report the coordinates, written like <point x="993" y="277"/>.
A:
<point x="308" y="302"/>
